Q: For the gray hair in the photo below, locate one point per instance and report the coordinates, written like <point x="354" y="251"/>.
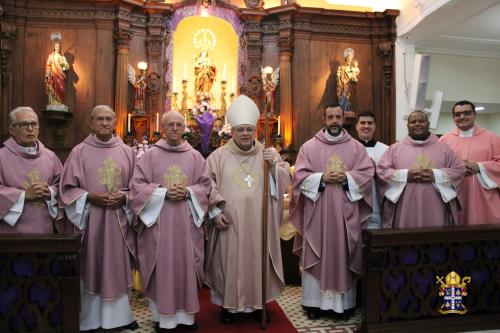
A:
<point x="102" y="106"/>
<point x="13" y="114"/>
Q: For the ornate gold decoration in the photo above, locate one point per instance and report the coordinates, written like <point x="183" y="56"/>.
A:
<point x="34" y="176"/>
<point x="245" y="177"/>
<point x="174" y="175"/>
<point x="111" y="175"/>
<point x="423" y="161"/>
<point x="204" y="39"/>
<point x="335" y="163"/>
<point x="453" y="293"/>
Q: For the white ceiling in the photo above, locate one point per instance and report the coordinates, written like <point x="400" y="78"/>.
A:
<point x="459" y="27"/>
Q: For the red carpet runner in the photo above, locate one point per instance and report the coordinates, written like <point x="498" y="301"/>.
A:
<point x="208" y="319"/>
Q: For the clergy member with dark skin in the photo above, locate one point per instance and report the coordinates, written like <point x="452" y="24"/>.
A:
<point x="419" y="178"/>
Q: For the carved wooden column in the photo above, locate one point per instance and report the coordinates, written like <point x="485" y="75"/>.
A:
<point x="253" y="38"/>
<point x="7" y="36"/>
<point x="388" y="92"/>
<point x="155" y="38"/>
<point x="285" y="85"/>
<point x="122" y="36"/>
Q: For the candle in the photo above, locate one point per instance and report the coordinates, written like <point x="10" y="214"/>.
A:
<point x="185" y="72"/>
<point x="279" y="125"/>
<point x="174" y="84"/>
<point x="225" y="72"/>
<point x="157" y="122"/>
<point x="232" y="85"/>
<point x="128" y="122"/>
<point x="225" y="120"/>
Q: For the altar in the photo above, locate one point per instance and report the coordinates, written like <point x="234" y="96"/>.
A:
<point x="145" y="58"/>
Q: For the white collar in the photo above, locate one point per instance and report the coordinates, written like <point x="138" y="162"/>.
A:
<point x="29" y="150"/>
<point x="332" y="138"/>
<point x="105" y="142"/>
<point x="466" y="134"/>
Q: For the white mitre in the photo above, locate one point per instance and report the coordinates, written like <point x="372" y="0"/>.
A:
<point x="243" y="111"/>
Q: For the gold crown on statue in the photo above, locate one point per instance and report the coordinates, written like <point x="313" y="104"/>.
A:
<point x="204" y="39"/>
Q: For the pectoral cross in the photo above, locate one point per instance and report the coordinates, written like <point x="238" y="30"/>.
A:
<point x="249" y="180"/>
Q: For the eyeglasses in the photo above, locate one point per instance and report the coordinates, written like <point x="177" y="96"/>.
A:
<point x="25" y="125"/>
<point x="465" y="113"/>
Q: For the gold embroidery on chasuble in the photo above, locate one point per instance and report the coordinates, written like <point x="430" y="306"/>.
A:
<point x="174" y="175"/>
<point x="111" y="175"/>
<point x="423" y="161"/>
<point x="245" y="177"/>
<point x="335" y="163"/>
<point x="34" y="176"/>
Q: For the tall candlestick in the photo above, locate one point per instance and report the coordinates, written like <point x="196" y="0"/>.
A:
<point x="185" y="72"/>
<point x="128" y="122"/>
<point x="225" y="73"/>
<point x="279" y="125"/>
<point x="157" y="122"/>
<point x="174" y="83"/>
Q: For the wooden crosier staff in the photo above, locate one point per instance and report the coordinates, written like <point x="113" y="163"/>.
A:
<point x="269" y="86"/>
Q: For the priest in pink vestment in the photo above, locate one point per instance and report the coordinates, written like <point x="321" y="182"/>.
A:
<point x="234" y="267"/>
<point x="169" y="194"/>
<point x="480" y="151"/>
<point x="419" y="179"/>
<point x="331" y="199"/>
<point x="93" y="191"/>
<point x="29" y="176"/>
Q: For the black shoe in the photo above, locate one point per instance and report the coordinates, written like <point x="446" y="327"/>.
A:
<point x="226" y="317"/>
<point x="313" y="313"/>
<point x="257" y="314"/>
<point x="132" y="326"/>
<point x="185" y="327"/>
<point x="158" y="329"/>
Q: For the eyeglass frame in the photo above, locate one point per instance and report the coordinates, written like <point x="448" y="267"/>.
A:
<point x="26" y="125"/>
<point x="465" y="113"/>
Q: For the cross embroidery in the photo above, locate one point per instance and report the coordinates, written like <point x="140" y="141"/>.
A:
<point x="249" y="180"/>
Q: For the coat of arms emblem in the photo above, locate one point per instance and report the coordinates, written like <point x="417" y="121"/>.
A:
<point x="453" y="290"/>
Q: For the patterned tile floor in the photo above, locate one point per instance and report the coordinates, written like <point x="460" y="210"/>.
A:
<point x="289" y="302"/>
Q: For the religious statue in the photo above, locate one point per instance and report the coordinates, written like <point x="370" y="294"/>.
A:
<point x="204" y="72"/>
<point x="347" y="77"/>
<point x="55" y="79"/>
<point x="270" y="80"/>
<point x="140" y="85"/>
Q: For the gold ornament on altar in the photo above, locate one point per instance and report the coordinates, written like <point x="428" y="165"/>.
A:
<point x="174" y="176"/>
<point x="453" y="290"/>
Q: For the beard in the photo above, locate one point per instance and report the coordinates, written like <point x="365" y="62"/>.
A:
<point x="334" y="130"/>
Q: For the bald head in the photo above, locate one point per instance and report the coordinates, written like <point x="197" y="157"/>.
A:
<point x="173" y="124"/>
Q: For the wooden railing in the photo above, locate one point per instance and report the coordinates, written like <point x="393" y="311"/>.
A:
<point x="400" y="288"/>
<point x="39" y="283"/>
